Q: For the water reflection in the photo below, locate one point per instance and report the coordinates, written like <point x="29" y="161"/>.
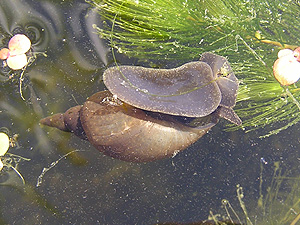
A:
<point x="49" y="27"/>
<point x="41" y="22"/>
<point x="89" y="187"/>
<point x="74" y="56"/>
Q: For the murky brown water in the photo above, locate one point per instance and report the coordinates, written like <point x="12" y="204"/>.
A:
<point x="87" y="187"/>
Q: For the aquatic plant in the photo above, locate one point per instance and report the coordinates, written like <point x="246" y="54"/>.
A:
<point x="280" y="205"/>
<point x="9" y="162"/>
<point x="248" y="33"/>
<point x="17" y="57"/>
<point x="15" y="54"/>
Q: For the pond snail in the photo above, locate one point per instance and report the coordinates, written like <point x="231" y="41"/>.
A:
<point x="150" y="114"/>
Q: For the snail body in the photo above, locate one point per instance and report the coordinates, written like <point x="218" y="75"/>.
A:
<point x="150" y="114"/>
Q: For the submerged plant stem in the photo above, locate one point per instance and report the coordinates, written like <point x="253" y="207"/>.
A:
<point x="53" y="164"/>
<point x="292" y="97"/>
<point x="297" y="218"/>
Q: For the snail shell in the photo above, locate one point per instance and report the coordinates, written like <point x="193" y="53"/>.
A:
<point x="128" y="133"/>
<point x="150" y="114"/>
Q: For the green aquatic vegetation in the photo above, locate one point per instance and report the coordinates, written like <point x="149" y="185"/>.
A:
<point x="248" y="33"/>
<point x="280" y="204"/>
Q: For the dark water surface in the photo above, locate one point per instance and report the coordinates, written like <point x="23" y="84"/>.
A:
<point x="87" y="187"/>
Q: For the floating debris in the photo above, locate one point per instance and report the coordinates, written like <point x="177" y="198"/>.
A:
<point x="9" y="162"/>
<point x="15" y="54"/>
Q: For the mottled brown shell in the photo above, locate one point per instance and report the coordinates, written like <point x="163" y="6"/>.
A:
<point x="130" y="134"/>
<point x="125" y="132"/>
